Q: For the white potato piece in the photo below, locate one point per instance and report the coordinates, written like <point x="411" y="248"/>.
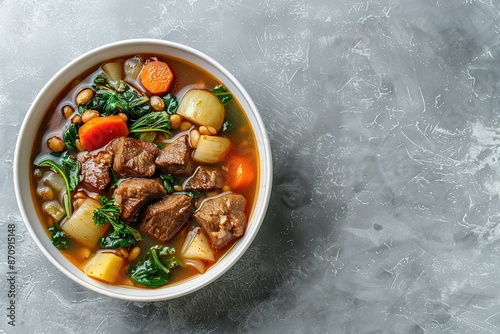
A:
<point x="211" y="149"/>
<point x="55" y="209"/>
<point x="200" y="248"/>
<point x="202" y="108"/>
<point x="104" y="266"/>
<point x="81" y="226"/>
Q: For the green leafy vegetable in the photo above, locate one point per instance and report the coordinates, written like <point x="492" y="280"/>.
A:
<point x="226" y="126"/>
<point x="168" y="182"/>
<point x="171" y="103"/>
<point x="222" y="94"/>
<point x="69" y="138"/>
<point x="59" y="239"/>
<point x="68" y="168"/>
<point x="122" y="233"/>
<point x="153" y="269"/>
<point x="158" y="121"/>
<point x="109" y="102"/>
<point x="102" y="81"/>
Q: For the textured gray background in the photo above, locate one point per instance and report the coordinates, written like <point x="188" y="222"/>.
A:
<point x="383" y="120"/>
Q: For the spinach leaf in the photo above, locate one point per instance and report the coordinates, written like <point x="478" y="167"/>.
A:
<point x="153" y="269"/>
<point x="59" y="239"/>
<point x="69" y="138"/>
<point x="157" y="121"/>
<point x="226" y="126"/>
<point x="222" y="94"/>
<point x="68" y="168"/>
<point x="171" y="103"/>
<point x="109" y="101"/>
<point x="122" y="233"/>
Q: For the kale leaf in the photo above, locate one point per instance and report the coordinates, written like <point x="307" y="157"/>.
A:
<point x="69" y="138"/>
<point x="157" y="121"/>
<point x="222" y="94"/>
<point x="153" y="269"/>
<point x="171" y="103"/>
<point x="122" y="233"/>
<point x="59" y="239"/>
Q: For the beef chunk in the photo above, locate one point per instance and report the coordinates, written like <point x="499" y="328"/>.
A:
<point x="95" y="170"/>
<point x="162" y="220"/>
<point x="133" y="157"/>
<point x="205" y="179"/>
<point x="223" y="218"/>
<point x="133" y="193"/>
<point x="175" y="158"/>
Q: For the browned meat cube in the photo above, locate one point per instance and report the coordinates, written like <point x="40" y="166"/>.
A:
<point x="133" y="157"/>
<point x="95" y="170"/>
<point x="175" y="158"/>
<point x="132" y="194"/>
<point x="223" y="218"/>
<point x="162" y="220"/>
<point x="205" y="179"/>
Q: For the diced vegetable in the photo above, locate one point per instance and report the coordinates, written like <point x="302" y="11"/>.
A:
<point x="54" y="209"/>
<point x="156" y="76"/>
<point x="240" y="172"/>
<point x="104" y="266"/>
<point x="202" y="108"/>
<point x="54" y="181"/>
<point x="101" y="130"/>
<point x="211" y="149"/>
<point x="81" y="226"/>
<point x="132" y="67"/>
<point x="198" y="246"/>
<point x="114" y="71"/>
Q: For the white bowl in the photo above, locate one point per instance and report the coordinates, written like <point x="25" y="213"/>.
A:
<point x="33" y="121"/>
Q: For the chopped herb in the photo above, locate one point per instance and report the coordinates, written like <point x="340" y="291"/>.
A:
<point x="70" y="136"/>
<point x="110" y="212"/>
<point x="171" y="103"/>
<point x="222" y="94"/>
<point x="59" y="239"/>
<point x="158" y="121"/>
<point x="168" y="182"/>
<point x="68" y="168"/>
<point x="153" y="269"/>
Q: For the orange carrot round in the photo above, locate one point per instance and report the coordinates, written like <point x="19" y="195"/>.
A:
<point x="156" y="76"/>
<point x="241" y="172"/>
<point x="101" y="130"/>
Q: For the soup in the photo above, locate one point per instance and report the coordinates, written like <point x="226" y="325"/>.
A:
<point x="145" y="171"/>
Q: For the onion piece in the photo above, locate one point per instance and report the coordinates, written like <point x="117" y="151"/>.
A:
<point x="196" y="264"/>
<point x="189" y="239"/>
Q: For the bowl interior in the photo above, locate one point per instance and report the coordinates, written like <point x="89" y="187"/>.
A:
<point x="35" y="116"/>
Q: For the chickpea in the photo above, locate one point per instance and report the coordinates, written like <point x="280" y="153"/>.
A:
<point x="80" y="194"/>
<point x="134" y="253"/>
<point x="157" y="103"/>
<point x="45" y="193"/>
<point x="77" y="119"/>
<point x="79" y="145"/>
<point x="122" y="252"/>
<point x="226" y="188"/>
<point x="38" y="173"/>
<point x="175" y="121"/>
<point x="89" y="114"/>
<point x="177" y="187"/>
<point x="56" y="144"/>
<point x="203" y="130"/>
<point x="211" y="130"/>
<point x="85" y="253"/>
<point x="194" y="138"/>
<point x="84" y="96"/>
<point x="67" y="111"/>
<point x="77" y="203"/>
<point x="123" y="116"/>
<point x="185" y="125"/>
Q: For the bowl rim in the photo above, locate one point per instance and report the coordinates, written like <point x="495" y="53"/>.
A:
<point x="170" y="291"/>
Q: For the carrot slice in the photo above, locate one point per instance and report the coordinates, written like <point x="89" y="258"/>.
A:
<point x="101" y="130"/>
<point x="241" y="172"/>
<point x="156" y="76"/>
